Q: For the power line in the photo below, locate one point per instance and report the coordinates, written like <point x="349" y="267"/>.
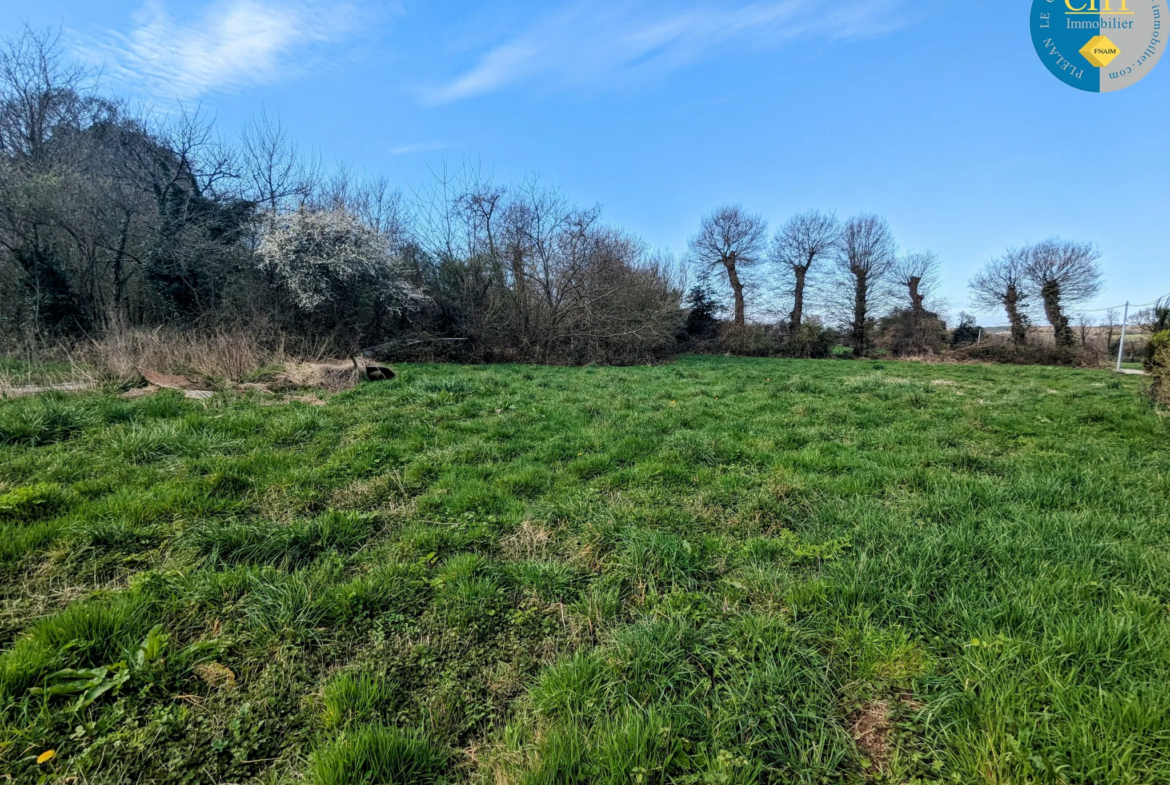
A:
<point x="1131" y="305"/>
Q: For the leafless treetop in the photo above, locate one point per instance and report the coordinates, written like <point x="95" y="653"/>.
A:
<point x="730" y="234"/>
<point x="991" y="286"/>
<point x="867" y="247"/>
<point x="41" y="91"/>
<point x="1067" y="264"/>
<point x="276" y="175"/>
<point x="921" y="265"/>
<point x="804" y="238"/>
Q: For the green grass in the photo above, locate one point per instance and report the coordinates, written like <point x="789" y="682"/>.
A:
<point x="715" y="571"/>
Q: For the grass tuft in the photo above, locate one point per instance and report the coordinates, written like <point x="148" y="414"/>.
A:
<point x="378" y="755"/>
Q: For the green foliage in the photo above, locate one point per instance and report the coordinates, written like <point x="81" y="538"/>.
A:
<point x="1158" y="365"/>
<point x="31" y="502"/>
<point x="91" y="683"/>
<point x="697" y="573"/>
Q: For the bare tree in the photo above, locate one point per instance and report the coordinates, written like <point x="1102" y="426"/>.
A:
<point x="733" y="239"/>
<point x="41" y="92"/>
<point x="918" y="272"/>
<point x="914" y="330"/>
<point x="866" y="255"/>
<point x="1085" y="327"/>
<point x="800" y="243"/>
<point x="1110" y="323"/>
<point x="276" y="175"/>
<point x="1002" y="284"/>
<point x="1063" y="273"/>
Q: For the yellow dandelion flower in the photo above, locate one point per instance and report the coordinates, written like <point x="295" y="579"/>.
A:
<point x="46" y="756"/>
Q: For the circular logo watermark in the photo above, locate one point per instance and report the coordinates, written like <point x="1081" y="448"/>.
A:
<point x="1100" y="45"/>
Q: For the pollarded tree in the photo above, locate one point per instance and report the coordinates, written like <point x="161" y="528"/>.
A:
<point x="918" y="273"/>
<point x="866" y="256"/>
<point x="1003" y="284"/>
<point x="1063" y="273"/>
<point x="800" y="243"/>
<point x="336" y="268"/>
<point x="912" y="329"/>
<point x="734" y="240"/>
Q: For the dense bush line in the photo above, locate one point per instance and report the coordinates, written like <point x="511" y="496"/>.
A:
<point x="114" y="224"/>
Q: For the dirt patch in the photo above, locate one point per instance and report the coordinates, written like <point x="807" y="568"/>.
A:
<point x="140" y="392"/>
<point x="871" y="726"/>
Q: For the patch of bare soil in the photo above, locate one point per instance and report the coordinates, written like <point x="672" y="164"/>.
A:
<point x="871" y="726"/>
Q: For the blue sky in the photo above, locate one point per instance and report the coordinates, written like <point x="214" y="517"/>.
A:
<point x="938" y="115"/>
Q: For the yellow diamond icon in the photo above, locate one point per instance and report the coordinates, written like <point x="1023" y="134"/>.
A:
<point x="1100" y="51"/>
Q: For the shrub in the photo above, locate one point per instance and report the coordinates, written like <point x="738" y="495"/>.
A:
<point x="810" y="341"/>
<point x="378" y="755"/>
<point x="1158" y="365"/>
<point x="1027" y="354"/>
<point x="702" y="325"/>
<point x="748" y="340"/>
<point x="906" y="334"/>
<point x="967" y="333"/>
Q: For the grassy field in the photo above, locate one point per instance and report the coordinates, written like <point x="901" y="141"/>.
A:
<point x="717" y="571"/>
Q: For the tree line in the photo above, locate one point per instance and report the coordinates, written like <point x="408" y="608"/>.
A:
<point x="111" y="218"/>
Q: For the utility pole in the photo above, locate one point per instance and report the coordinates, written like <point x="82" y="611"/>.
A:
<point x="1121" y="344"/>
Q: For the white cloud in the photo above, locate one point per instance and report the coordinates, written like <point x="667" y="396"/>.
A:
<point x="228" y="45"/>
<point x="419" y="147"/>
<point x="585" y="44"/>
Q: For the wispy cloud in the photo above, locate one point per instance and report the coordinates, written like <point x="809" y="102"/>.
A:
<point x="227" y="46"/>
<point x="585" y="45"/>
<point x="419" y="147"/>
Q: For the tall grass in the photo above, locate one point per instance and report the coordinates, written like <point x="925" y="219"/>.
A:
<point x="231" y="352"/>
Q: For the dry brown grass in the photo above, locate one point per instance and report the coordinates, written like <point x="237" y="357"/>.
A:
<point x="218" y="357"/>
<point x="222" y="353"/>
<point x="332" y="377"/>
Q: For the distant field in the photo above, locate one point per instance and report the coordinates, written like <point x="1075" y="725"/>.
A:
<point x="716" y="571"/>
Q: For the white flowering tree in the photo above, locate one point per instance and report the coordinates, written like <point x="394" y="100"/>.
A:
<point x="334" y="266"/>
